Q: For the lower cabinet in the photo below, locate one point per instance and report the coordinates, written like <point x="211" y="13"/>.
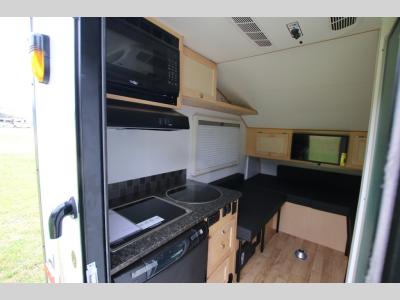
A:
<point x="221" y="274"/>
<point x="222" y="246"/>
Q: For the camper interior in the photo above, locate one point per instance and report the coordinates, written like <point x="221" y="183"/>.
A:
<point x="282" y="119"/>
<point x="241" y="149"/>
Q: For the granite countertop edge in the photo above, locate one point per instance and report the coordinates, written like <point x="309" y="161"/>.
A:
<point x="144" y="245"/>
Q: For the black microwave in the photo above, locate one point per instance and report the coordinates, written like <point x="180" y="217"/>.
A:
<point x="142" y="60"/>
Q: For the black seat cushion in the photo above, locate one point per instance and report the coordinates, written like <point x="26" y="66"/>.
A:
<point x="263" y="195"/>
<point x="326" y="191"/>
<point x="256" y="207"/>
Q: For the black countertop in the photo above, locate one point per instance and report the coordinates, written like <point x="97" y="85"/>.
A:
<point x="149" y="242"/>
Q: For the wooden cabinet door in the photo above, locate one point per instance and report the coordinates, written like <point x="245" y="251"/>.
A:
<point x="221" y="274"/>
<point x="358" y="145"/>
<point x="221" y="243"/>
<point x="199" y="76"/>
<point x="273" y="145"/>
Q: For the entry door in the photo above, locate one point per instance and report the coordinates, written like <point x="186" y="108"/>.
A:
<point x="374" y="168"/>
<point x="69" y="129"/>
<point x="56" y="147"/>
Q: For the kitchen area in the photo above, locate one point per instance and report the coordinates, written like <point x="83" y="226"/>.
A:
<point x="182" y="166"/>
<point x="163" y="225"/>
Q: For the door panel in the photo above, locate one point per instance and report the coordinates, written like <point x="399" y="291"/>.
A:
<point x="377" y="149"/>
<point x="56" y="149"/>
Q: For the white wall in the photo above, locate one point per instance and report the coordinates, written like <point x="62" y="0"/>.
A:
<point x="138" y="153"/>
<point x="327" y="85"/>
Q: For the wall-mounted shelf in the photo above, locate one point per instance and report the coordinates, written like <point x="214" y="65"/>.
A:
<point x="218" y="106"/>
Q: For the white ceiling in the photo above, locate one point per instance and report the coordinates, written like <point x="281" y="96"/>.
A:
<point x="325" y="83"/>
<point x="321" y="86"/>
<point x="220" y="40"/>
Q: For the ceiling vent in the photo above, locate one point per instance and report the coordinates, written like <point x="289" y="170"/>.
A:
<point x="339" y="23"/>
<point x="248" y="26"/>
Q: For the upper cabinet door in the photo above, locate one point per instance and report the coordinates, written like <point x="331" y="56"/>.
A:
<point x="199" y="76"/>
<point x="269" y="143"/>
<point x="358" y="144"/>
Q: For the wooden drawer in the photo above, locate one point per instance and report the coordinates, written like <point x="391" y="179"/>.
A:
<point x="221" y="242"/>
<point x="221" y="274"/>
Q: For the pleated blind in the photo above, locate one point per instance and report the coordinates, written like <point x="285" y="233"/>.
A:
<point x="217" y="145"/>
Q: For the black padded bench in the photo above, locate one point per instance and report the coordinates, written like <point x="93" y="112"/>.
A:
<point x="256" y="207"/>
<point x="263" y="196"/>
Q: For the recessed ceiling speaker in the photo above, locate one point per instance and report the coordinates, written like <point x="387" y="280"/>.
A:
<point x="301" y="254"/>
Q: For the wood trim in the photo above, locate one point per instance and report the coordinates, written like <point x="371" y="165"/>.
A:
<point x="218" y="106"/>
<point x="198" y="57"/>
<point x="140" y="101"/>
<point x="308" y="130"/>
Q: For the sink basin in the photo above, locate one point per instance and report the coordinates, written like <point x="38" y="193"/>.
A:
<point x="195" y="193"/>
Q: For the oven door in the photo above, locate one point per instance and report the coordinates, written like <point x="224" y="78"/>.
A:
<point x="142" y="60"/>
<point x="182" y="260"/>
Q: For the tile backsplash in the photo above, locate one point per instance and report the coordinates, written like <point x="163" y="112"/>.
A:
<point x="123" y="192"/>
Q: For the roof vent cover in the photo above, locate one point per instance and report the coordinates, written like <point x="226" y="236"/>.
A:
<point x="248" y="26"/>
<point x="339" y="23"/>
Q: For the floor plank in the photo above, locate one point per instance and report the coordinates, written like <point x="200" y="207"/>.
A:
<point x="278" y="264"/>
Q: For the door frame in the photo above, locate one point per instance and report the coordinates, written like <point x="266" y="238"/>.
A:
<point x="92" y="141"/>
<point x="354" y="264"/>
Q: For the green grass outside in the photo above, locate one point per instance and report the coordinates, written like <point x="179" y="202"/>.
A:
<point x="21" y="253"/>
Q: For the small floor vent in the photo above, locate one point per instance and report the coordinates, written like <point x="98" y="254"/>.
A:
<point x="339" y="23"/>
<point x="248" y="26"/>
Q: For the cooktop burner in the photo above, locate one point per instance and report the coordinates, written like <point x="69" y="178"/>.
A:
<point x="194" y="193"/>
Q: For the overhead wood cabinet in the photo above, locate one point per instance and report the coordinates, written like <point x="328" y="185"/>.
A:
<point x="222" y="246"/>
<point x="199" y="76"/>
<point x="199" y="85"/>
<point x="269" y="143"/>
<point x="357" y="147"/>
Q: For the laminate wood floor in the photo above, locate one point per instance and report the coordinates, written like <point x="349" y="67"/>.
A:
<point x="278" y="264"/>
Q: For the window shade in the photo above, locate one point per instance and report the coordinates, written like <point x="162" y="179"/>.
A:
<point x="217" y="145"/>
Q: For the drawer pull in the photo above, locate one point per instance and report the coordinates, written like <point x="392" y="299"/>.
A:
<point x="223" y="231"/>
<point x="223" y="246"/>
